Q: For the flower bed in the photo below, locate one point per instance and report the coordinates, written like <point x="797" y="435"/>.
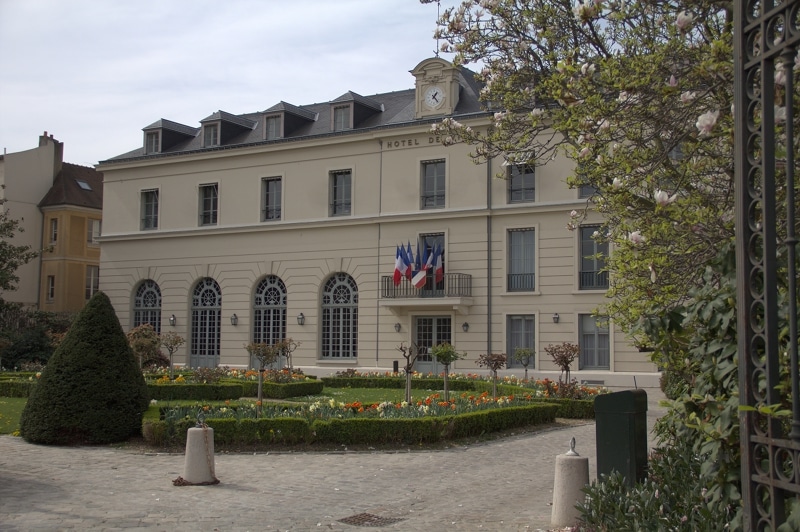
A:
<point x="426" y="421"/>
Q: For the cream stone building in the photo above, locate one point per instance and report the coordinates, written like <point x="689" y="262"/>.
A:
<point x="286" y="223"/>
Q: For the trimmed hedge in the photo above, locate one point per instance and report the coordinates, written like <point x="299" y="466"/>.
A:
<point x="397" y="382"/>
<point x="228" y="390"/>
<point x="159" y="432"/>
<point x="9" y="388"/>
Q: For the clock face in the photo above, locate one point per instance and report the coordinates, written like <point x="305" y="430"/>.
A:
<point x="434" y="97"/>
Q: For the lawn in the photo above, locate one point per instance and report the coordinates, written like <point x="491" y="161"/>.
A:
<point x="10" y="411"/>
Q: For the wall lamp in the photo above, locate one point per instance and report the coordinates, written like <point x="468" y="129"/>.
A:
<point x="465" y="326"/>
<point x="172" y="320"/>
<point x="234" y="319"/>
<point x="301" y="319"/>
<point x="555" y="317"/>
<point x="397" y="327"/>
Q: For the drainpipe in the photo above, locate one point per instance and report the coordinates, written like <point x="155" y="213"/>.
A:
<point x="489" y="256"/>
<point x="378" y="244"/>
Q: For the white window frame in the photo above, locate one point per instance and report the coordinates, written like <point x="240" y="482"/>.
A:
<point x="525" y="285"/>
<point x="340" y="204"/>
<point x="93" y="231"/>
<point x="597" y="332"/>
<point x="149" y="220"/>
<point x="341" y="119"/>
<point x="434" y="196"/>
<point x="208" y="207"/>
<point x="152" y="142"/>
<point x="92" y="280"/>
<point x="271" y="207"/>
<point x="53" y="230"/>
<point x="211" y="135"/>
<point x="518" y="174"/>
<point x="272" y="127"/>
<point x="597" y="275"/>
<point x="51" y="288"/>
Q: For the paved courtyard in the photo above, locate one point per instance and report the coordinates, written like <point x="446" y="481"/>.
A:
<point x="502" y="485"/>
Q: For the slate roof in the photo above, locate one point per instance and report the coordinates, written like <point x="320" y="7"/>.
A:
<point x="66" y="189"/>
<point x="388" y="110"/>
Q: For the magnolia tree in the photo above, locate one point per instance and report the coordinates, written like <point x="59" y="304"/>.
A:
<point x="639" y="95"/>
<point x="171" y="341"/>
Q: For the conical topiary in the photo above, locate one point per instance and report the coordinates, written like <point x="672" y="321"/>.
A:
<point x="92" y="390"/>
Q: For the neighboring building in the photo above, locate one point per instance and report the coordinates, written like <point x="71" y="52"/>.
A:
<point x="58" y="204"/>
<point x="286" y="222"/>
<point x="72" y="210"/>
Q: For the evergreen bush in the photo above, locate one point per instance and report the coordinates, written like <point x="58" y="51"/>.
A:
<point x="92" y="390"/>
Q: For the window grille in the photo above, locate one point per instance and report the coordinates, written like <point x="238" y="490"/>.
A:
<point x="340" y="318"/>
<point x="147" y="305"/>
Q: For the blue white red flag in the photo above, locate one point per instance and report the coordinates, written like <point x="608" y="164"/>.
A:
<point x="409" y="260"/>
<point x="399" y="266"/>
<point x="420" y="275"/>
<point x="438" y="265"/>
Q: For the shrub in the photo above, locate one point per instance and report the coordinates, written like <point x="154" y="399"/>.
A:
<point x="92" y="390"/>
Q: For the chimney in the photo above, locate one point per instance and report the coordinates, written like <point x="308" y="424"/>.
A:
<point x="58" y="151"/>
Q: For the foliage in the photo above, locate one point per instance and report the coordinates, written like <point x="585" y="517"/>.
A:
<point x="661" y="502"/>
<point x="146" y="346"/>
<point x="11" y="256"/>
<point x="33" y="334"/>
<point x="563" y="356"/>
<point x="494" y="362"/>
<point x="446" y="354"/>
<point x="171" y="341"/>
<point x="524" y="355"/>
<point x="207" y="375"/>
<point x="92" y="390"/>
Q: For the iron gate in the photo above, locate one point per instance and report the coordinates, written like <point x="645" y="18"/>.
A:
<point x="766" y="35"/>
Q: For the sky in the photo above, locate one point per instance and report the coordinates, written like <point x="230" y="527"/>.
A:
<point x="93" y="73"/>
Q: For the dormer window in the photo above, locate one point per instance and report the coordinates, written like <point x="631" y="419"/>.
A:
<point x="151" y="142"/>
<point x="211" y="136"/>
<point x="273" y="126"/>
<point x="341" y="118"/>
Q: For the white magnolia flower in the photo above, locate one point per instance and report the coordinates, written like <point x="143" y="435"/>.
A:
<point x="684" y="20"/>
<point x="653" y="280"/>
<point x="536" y="113"/>
<point x="672" y="82"/>
<point x="706" y="122"/>
<point x="780" y="75"/>
<point x="688" y="96"/>
<point x="587" y="69"/>
<point x="663" y="198"/>
<point x="573" y="213"/>
<point x="636" y="238"/>
<point x="585" y="152"/>
<point x="780" y="114"/>
<point x="616" y="183"/>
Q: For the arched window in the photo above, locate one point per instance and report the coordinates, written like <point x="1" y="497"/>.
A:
<point x="147" y="305"/>
<point x="269" y="312"/>
<point x="340" y="317"/>
<point x="206" y="312"/>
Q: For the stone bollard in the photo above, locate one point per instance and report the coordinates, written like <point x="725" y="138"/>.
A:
<point x="198" y="468"/>
<point x="572" y="475"/>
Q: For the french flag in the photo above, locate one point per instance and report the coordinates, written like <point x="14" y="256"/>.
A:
<point x="399" y="265"/>
<point x="438" y="265"/>
<point x="418" y="280"/>
<point x="408" y="259"/>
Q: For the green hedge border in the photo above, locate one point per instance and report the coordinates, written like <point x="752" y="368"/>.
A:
<point x="353" y="431"/>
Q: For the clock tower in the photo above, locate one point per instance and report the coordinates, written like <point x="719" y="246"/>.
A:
<point x="437" y="87"/>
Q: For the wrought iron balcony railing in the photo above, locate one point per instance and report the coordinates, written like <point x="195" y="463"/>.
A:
<point x="593" y="280"/>
<point x="453" y="285"/>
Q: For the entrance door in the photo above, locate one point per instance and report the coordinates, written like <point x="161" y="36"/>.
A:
<point x="428" y="332"/>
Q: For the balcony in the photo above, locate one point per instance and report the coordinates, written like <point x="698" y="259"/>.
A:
<point x="593" y="280"/>
<point x="452" y="292"/>
<point x="521" y="282"/>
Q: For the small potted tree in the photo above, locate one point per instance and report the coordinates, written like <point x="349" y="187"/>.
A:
<point x="266" y="355"/>
<point x="445" y="354"/>
<point x="410" y="354"/>
<point x="524" y="355"/>
<point x="171" y="341"/>
<point x="494" y="362"/>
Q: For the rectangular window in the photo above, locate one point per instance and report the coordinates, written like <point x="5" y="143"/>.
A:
<point x="92" y="280"/>
<point x="521" y="183"/>
<point x="586" y="191"/>
<point x="151" y="144"/>
<point x="340" y="192"/>
<point x="149" y="208"/>
<point x="433" y="186"/>
<point x="593" y="260"/>
<point x="593" y="342"/>
<point x="341" y="118"/>
<point x="211" y="136"/>
<point x="51" y="287"/>
<point x="209" y="200"/>
<point x="521" y="331"/>
<point x="273" y="127"/>
<point x="92" y="231"/>
<point x="270" y="199"/>
<point x="521" y="260"/>
<point x="53" y="230"/>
